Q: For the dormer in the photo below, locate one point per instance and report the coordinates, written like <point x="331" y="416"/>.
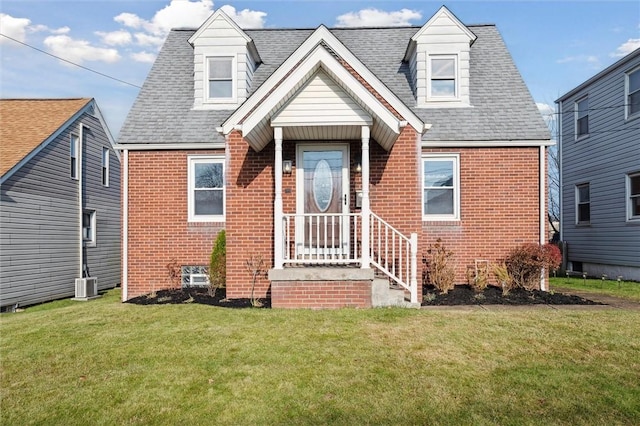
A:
<point x="438" y="57"/>
<point x="224" y="59"/>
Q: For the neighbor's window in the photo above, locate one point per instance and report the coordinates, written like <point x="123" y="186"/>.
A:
<point x="633" y="92"/>
<point x="633" y="198"/>
<point x="206" y="189"/>
<point x="583" y="204"/>
<point x="442" y="76"/>
<point x="220" y="78"/>
<point x="89" y="227"/>
<point x="73" y="155"/>
<point x="582" y="117"/>
<point x="440" y="187"/>
<point x="105" y="166"/>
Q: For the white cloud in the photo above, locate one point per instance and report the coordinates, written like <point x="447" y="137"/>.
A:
<point x="61" y="30"/>
<point x="627" y="47"/>
<point x="129" y="20"/>
<point x="545" y="109"/>
<point x="115" y="38"/>
<point x="591" y="60"/>
<point x="378" y="18"/>
<point x="13" y="27"/>
<point x="178" y="13"/>
<point x="143" y="39"/>
<point x="79" y="51"/>
<point x="245" y="18"/>
<point x="145" y="57"/>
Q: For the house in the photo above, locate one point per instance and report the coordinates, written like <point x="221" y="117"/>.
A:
<point x="599" y="143"/>
<point x="60" y="213"/>
<point x="335" y="155"/>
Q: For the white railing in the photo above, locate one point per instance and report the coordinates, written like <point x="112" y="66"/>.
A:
<point x="336" y="239"/>
<point x="394" y="254"/>
<point x="321" y="238"/>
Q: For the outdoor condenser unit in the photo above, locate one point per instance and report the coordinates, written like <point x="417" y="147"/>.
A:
<point x="86" y="288"/>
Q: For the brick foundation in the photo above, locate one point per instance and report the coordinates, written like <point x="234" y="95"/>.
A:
<point x="321" y="294"/>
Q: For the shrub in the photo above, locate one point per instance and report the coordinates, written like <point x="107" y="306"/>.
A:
<point x="502" y="276"/>
<point x="218" y="263"/>
<point x="525" y="263"/>
<point x="480" y="278"/>
<point x="440" y="270"/>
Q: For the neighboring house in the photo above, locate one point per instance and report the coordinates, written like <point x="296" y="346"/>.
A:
<point x="599" y="142"/>
<point x="60" y="211"/>
<point x="322" y="149"/>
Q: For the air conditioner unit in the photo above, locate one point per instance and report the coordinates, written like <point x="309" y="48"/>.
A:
<point x="86" y="288"/>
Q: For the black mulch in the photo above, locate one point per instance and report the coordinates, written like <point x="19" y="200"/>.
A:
<point x="195" y="295"/>
<point x="465" y="295"/>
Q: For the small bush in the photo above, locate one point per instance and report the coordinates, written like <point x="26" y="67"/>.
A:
<point x="480" y="276"/>
<point x="525" y="263"/>
<point x="218" y="263"/>
<point x="440" y="270"/>
<point x="505" y="281"/>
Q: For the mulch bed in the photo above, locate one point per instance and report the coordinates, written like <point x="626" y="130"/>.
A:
<point x="195" y="295"/>
<point x="460" y="295"/>
<point x="465" y="295"/>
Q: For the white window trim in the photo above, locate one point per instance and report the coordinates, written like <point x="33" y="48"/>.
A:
<point x="456" y="186"/>
<point x="91" y="241"/>
<point x="234" y="80"/>
<point x="630" y="217"/>
<point x="105" y="160"/>
<point x="575" y="118"/>
<point x="577" y="204"/>
<point x="627" y="115"/>
<point x="456" y="97"/>
<point x="192" y="160"/>
<point x="74" y="172"/>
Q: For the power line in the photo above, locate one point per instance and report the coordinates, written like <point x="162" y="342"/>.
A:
<point x="548" y="114"/>
<point x="72" y="63"/>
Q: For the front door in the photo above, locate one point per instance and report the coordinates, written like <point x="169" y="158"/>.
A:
<point x="322" y="188"/>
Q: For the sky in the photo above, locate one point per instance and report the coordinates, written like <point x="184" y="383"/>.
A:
<point x="556" y="45"/>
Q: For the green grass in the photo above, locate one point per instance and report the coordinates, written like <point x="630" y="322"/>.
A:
<point x="103" y="362"/>
<point x="624" y="289"/>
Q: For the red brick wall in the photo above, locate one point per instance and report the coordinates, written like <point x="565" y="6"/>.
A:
<point x="499" y="206"/>
<point x="321" y="294"/>
<point x="249" y="221"/>
<point x="158" y="228"/>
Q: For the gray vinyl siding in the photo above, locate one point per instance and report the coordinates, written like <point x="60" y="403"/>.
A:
<point x="39" y="222"/>
<point x="603" y="159"/>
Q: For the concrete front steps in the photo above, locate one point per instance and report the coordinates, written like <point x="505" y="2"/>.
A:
<point x="385" y="294"/>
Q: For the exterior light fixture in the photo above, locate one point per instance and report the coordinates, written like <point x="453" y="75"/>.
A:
<point x="287" y="167"/>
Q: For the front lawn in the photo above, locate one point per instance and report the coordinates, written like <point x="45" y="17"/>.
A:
<point x="104" y="363"/>
<point x="624" y="289"/>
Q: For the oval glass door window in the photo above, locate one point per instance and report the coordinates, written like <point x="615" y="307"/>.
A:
<point x="322" y="185"/>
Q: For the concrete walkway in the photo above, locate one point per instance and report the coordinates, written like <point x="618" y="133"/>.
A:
<point x="610" y="302"/>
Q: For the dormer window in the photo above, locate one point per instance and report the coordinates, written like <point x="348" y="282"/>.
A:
<point x="442" y="74"/>
<point x="220" y="79"/>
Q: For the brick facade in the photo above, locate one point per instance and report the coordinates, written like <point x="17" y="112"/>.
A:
<point x="321" y="294"/>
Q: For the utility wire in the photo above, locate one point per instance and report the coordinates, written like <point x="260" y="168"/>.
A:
<point x="572" y="111"/>
<point x="72" y="63"/>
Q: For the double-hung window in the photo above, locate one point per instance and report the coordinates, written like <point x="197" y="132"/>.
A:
<point x="105" y="166"/>
<point x="440" y="187"/>
<point x="89" y="227"/>
<point x="583" y="204"/>
<point x="74" y="144"/>
<point x="206" y="198"/>
<point x="633" y="92"/>
<point x="442" y="75"/>
<point x="633" y="196"/>
<point x="582" y="117"/>
<point x="220" y="84"/>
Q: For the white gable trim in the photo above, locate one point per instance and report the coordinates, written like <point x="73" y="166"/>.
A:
<point x="446" y="12"/>
<point x="319" y="58"/>
<point x="321" y="34"/>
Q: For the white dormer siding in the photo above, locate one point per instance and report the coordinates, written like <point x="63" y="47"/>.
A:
<point x="438" y="57"/>
<point x="222" y="54"/>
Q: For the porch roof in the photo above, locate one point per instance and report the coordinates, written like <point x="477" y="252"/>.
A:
<point x="322" y="54"/>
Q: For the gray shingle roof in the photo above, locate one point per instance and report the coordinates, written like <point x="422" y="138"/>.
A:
<point x="503" y="108"/>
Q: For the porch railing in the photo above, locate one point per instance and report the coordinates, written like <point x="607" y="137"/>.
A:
<point x="394" y="254"/>
<point x="337" y="239"/>
<point x="321" y="238"/>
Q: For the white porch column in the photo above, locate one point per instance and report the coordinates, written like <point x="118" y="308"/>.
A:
<point x="278" y="241"/>
<point x="366" y="209"/>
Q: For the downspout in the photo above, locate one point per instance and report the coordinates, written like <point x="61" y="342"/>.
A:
<point x="543" y="213"/>
<point x="80" y="204"/>
<point x="559" y="154"/>
<point x="125" y="223"/>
